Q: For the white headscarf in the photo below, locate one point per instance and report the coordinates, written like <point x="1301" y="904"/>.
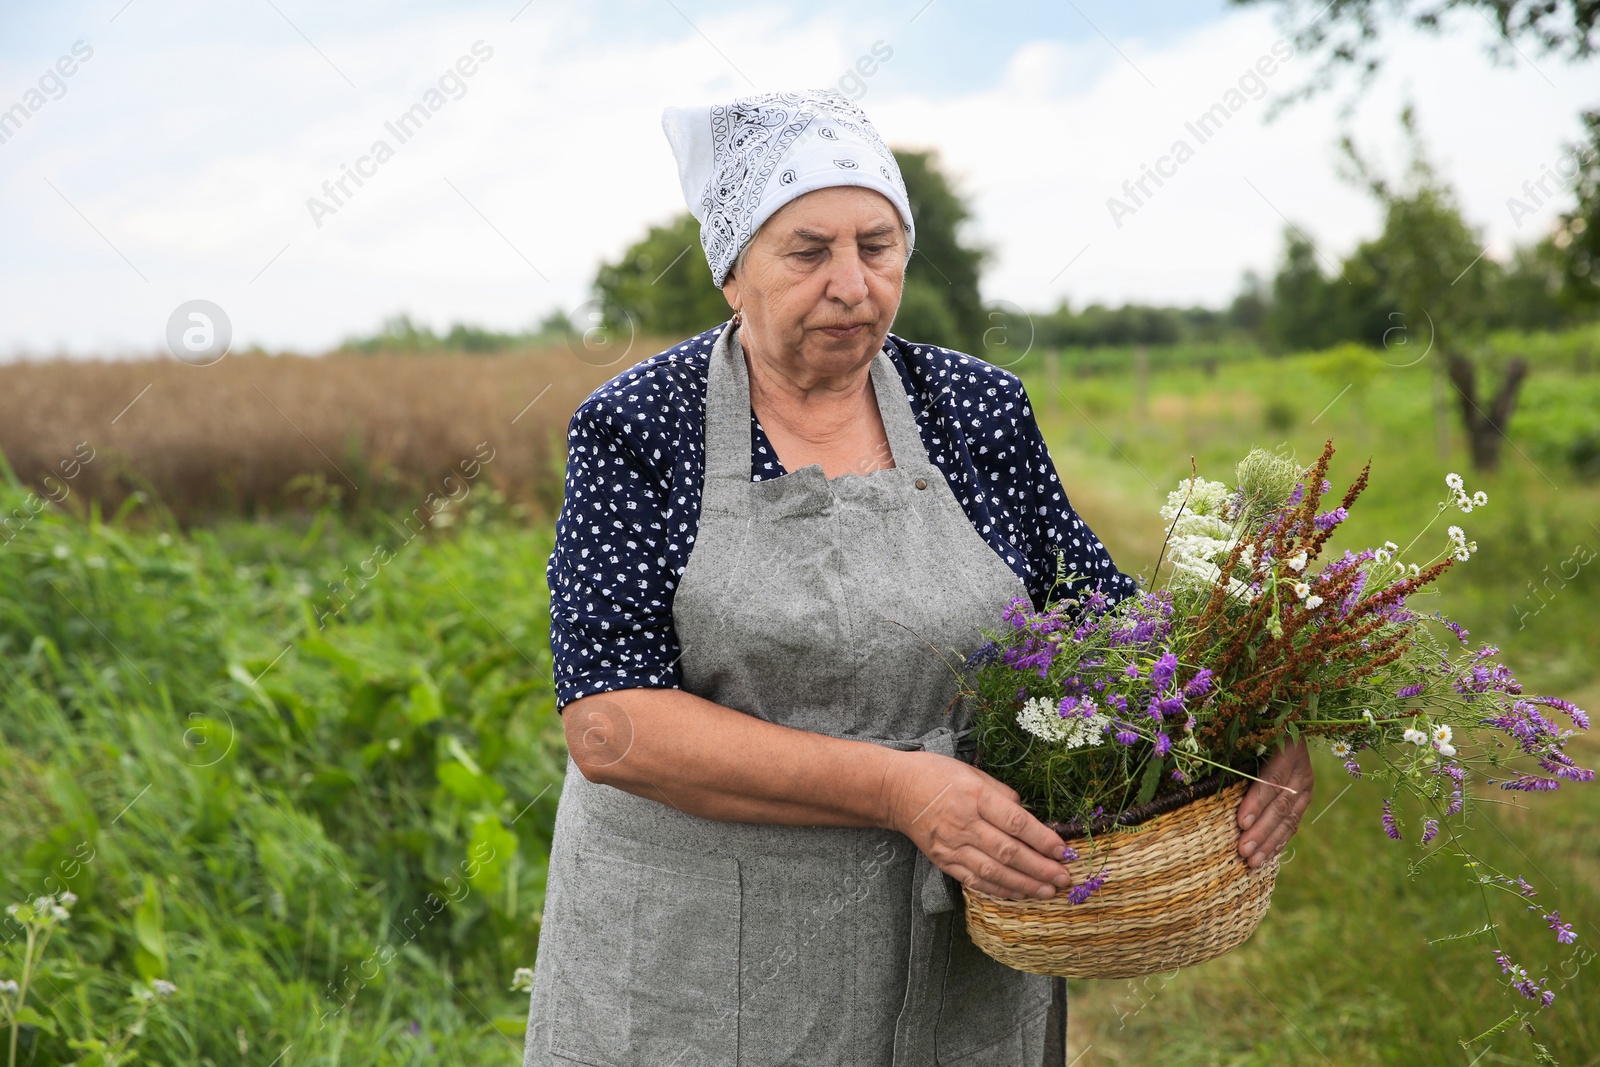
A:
<point x="740" y="162"/>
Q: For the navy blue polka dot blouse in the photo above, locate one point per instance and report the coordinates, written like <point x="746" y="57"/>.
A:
<point x="636" y="465"/>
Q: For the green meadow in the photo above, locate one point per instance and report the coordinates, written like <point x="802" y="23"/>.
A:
<point x="312" y="784"/>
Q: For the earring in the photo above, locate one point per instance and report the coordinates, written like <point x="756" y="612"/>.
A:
<point x="738" y="318"/>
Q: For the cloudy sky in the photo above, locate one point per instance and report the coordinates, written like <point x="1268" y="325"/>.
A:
<point x="177" y="160"/>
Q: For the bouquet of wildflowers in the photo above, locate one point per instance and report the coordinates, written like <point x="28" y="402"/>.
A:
<point x="1092" y="709"/>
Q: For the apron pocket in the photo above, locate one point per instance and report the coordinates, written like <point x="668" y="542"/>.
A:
<point x="649" y="963"/>
<point x="986" y="1003"/>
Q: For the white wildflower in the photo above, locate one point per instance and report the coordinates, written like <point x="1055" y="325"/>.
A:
<point x="1447" y="751"/>
<point x="163" y="987"/>
<point x="1382" y="555"/>
<point x="1453" y="481"/>
<point x="59" y="914"/>
<point x="1313" y="603"/>
<point x="9" y="987"/>
<point x="1416" y="737"/>
<point x="69" y="898"/>
<point x="1302" y="590"/>
<point x="1197" y="496"/>
<point x="1297" y="562"/>
<point x="1042" y="717"/>
<point x="522" y="980"/>
<point x="1480" y="498"/>
<point x="1441" y="734"/>
<point x="1340" y="749"/>
<point x="1202" y="573"/>
<point x="1366" y="713"/>
<point x="61" y="552"/>
<point x="1457" y="534"/>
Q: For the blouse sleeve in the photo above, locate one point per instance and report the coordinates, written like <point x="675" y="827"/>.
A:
<point x="1051" y="526"/>
<point x="616" y="558"/>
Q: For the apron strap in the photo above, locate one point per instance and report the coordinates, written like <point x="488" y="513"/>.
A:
<point x="728" y="414"/>
<point x="933" y="885"/>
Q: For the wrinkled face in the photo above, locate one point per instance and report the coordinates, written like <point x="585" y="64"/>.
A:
<point x="821" y="281"/>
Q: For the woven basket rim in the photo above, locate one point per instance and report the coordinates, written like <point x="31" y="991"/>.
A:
<point x="1139" y="814"/>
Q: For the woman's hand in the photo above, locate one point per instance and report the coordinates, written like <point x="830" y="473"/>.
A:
<point x="1268" y="815"/>
<point x="972" y="827"/>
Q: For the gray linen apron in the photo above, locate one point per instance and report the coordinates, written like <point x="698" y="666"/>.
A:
<point x="672" y="940"/>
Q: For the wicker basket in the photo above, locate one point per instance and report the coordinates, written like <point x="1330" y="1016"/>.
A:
<point x="1177" y="893"/>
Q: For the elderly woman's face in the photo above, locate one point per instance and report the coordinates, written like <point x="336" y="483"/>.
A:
<point x="822" y="279"/>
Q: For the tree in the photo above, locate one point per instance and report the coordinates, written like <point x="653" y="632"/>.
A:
<point x="1577" y="233"/>
<point x="662" y="284"/>
<point x="1348" y="33"/>
<point x="1428" y="265"/>
<point x="941" y="262"/>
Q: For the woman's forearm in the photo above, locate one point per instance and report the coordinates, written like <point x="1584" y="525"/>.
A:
<point x="718" y="763"/>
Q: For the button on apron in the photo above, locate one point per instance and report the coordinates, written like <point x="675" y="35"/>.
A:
<point x="674" y="940"/>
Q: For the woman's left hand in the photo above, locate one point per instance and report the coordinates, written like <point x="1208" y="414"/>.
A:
<point x="1269" y="815"/>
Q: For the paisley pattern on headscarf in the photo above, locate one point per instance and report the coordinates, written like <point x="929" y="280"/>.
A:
<point x="806" y="140"/>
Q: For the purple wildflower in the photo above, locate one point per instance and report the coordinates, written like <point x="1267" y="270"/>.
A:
<point x="1531" y="783"/>
<point x="1127" y="736"/>
<point x="1564" y="931"/>
<point x="1162" y="672"/>
<point x="1430" y="830"/>
<point x="1458" y="776"/>
<point x="1522" y="982"/>
<point x="1087" y="888"/>
<point x="1199" y="685"/>
<point x="1132" y="671"/>
<point x="1016" y="612"/>
<point x="1069" y="853"/>
<point x="1575" y="713"/>
<point x="1352" y="768"/>
<point x="1390" y="827"/>
<point x="1409" y="691"/>
<point x="981" y="658"/>
<point x="1163" y="744"/>
<point x="1456" y="628"/>
<point x="1329" y="519"/>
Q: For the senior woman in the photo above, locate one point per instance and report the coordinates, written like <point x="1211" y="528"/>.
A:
<point x="774" y="537"/>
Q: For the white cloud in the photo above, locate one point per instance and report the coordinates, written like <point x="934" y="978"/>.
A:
<point x="195" y="162"/>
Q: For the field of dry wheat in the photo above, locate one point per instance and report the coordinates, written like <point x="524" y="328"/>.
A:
<point x="255" y="434"/>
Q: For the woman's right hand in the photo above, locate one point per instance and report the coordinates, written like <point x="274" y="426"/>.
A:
<point x="972" y="827"/>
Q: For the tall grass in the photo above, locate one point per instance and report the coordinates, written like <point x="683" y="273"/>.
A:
<point x="330" y="837"/>
<point x="257" y="434"/>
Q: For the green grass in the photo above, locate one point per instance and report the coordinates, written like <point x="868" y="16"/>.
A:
<point x="344" y="828"/>
<point x="290" y="795"/>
